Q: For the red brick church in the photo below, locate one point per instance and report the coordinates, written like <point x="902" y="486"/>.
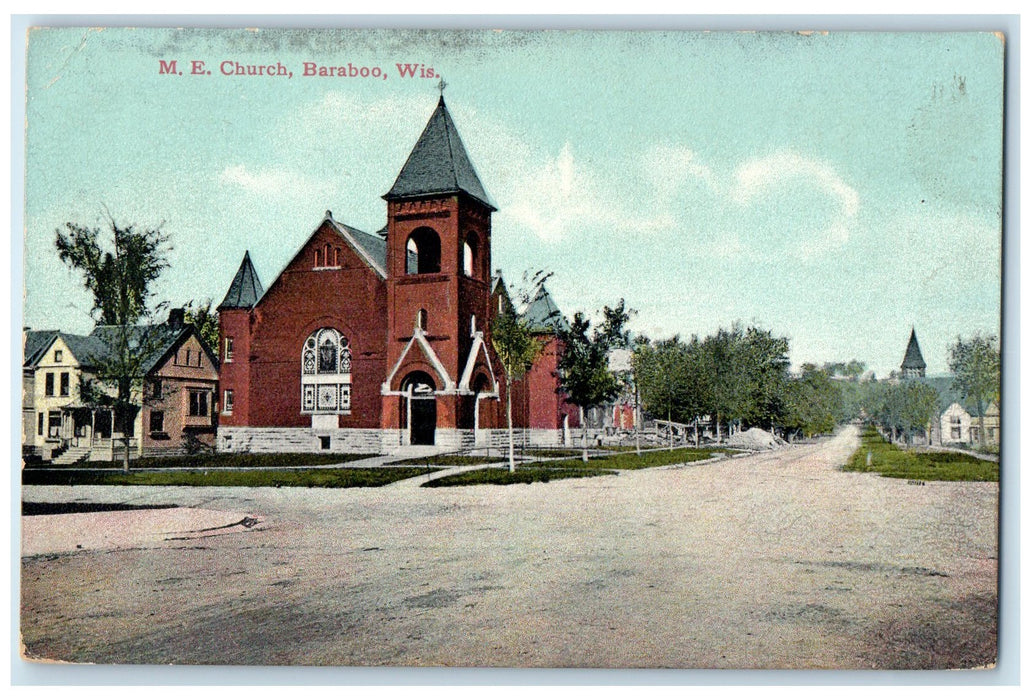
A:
<point x="367" y="342"/>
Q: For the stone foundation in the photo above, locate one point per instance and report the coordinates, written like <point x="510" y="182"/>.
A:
<point x="377" y="441"/>
<point x="270" y="440"/>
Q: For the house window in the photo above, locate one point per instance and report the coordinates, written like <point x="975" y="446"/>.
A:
<point x="957" y="433"/>
<point x="187" y="358"/>
<point x="955" y="420"/>
<point x="326" y="373"/>
<point x="66" y="385"/>
<point x="228" y="401"/>
<point x="324" y="442"/>
<point x="58" y="355"/>
<point x="198" y="403"/>
<point x="54" y="424"/>
<point x="49" y="389"/>
<point x="229" y="349"/>
<point x="157" y="421"/>
<point x="39" y="427"/>
<point x="421" y="319"/>
<point x="155" y="389"/>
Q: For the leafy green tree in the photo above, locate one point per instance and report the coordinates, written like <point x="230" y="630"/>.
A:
<point x="905" y="407"/>
<point x="583" y="365"/>
<point x="517" y="348"/>
<point x="977" y="366"/>
<point x="766" y="361"/>
<point x="118" y="270"/>
<point x="812" y="402"/>
<point x="661" y="370"/>
<point x="205" y="320"/>
<point x="726" y="365"/>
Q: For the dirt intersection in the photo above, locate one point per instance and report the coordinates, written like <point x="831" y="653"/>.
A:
<point x="777" y="560"/>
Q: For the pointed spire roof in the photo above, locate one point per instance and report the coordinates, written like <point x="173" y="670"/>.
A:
<point x="246" y="288"/>
<point x="913" y="359"/>
<point x="439" y="164"/>
<point x="543" y="315"/>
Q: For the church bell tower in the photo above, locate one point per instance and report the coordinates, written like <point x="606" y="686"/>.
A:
<point x="438" y="291"/>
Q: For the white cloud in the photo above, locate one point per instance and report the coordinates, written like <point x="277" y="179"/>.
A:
<point x="668" y="167"/>
<point x="758" y="178"/>
<point x="278" y="183"/>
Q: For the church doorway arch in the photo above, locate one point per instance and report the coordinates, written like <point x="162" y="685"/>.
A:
<point x="481" y="433"/>
<point x="419" y="389"/>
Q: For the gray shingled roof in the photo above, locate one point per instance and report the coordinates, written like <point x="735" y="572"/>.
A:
<point x="35" y="344"/>
<point x="543" y="314"/>
<point x="913" y="358"/>
<point x="245" y="289"/>
<point x="439" y="164"/>
<point x="156" y="340"/>
<point x="373" y="246"/>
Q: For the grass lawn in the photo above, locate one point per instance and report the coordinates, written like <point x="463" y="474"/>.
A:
<point x="889" y="460"/>
<point x="319" y="478"/>
<point x="450" y="460"/>
<point x="631" y="460"/>
<point x="574" y="468"/>
<point x="522" y="475"/>
<point x="239" y="459"/>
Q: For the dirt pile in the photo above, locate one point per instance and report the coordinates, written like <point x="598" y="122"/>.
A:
<point x="755" y="439"/>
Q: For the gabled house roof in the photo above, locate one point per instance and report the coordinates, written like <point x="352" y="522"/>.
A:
<point x="913" y="359"/>
<point x="156" y="341"/>
<point x="439" y="164"/>
<point x="35" y="345"/>
<point x="543" y="315"/>
<point x="245" y="289"/>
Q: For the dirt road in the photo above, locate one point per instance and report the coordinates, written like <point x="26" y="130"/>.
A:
<point x="777" y="560"/>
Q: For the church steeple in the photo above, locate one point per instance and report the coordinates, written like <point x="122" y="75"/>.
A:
<point x="913" y="364"/>
<point x="439" y="164"/>
<point x="246" y="288"/>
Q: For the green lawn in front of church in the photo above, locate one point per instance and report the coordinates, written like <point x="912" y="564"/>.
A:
<point x="327" y="477"/>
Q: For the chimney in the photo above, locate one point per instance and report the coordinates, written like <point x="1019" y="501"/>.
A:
<point x="176" y="318"/>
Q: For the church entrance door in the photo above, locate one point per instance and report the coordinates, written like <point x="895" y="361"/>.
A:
<point x="424" y="420"/>
<point x="422" y="408"/>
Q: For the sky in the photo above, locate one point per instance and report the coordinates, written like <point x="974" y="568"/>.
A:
<point x="837" y="189"/>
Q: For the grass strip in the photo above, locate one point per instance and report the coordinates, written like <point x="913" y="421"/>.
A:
<point x="631" y="460"/>
<point x="311" y="478"/>
<point x="242" y="459"/>
<point x="446" y="460"/>
<point x="888" y="460"/>
<point x="522" y="475"/>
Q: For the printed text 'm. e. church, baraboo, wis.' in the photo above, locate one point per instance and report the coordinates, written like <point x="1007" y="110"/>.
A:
<point x="308" y="69"/>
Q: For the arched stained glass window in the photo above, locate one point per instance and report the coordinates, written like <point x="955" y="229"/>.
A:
<point x="326" y="373"/>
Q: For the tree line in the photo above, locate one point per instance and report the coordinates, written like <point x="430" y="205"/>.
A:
<point x="739" y="377"/>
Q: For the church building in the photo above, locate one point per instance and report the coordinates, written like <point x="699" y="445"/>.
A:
<point x="369" y="342"/>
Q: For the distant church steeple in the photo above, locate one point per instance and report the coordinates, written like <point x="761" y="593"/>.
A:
<point x="913" y="364"/>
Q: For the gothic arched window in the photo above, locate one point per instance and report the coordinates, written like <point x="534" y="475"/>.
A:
<point x="326" y="373"/>
<point x="470" y="263"/>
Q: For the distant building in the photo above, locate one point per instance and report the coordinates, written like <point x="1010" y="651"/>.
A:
<point x="992" y="426"/>
<point x="177" y="397"/>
